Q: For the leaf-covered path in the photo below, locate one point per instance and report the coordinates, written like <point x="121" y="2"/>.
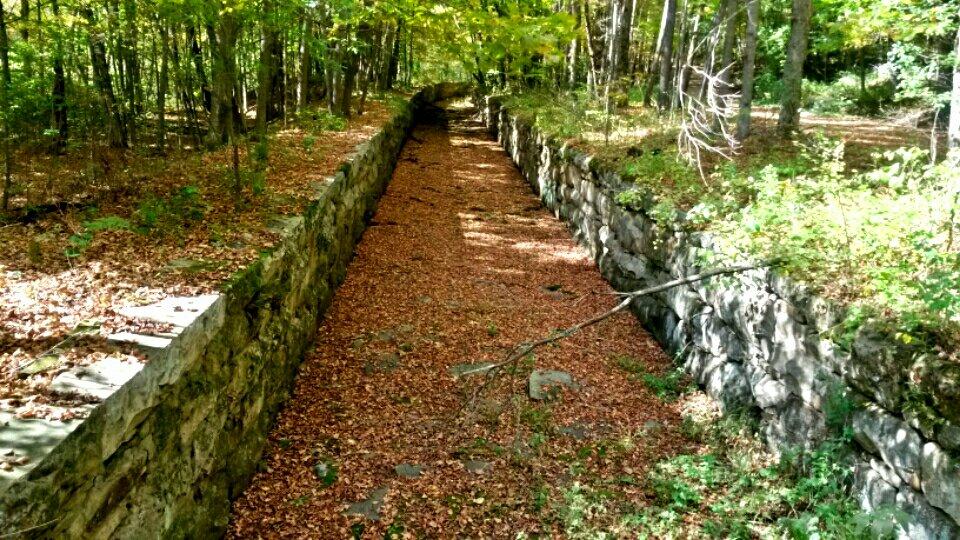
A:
<point x="459" y="263"/>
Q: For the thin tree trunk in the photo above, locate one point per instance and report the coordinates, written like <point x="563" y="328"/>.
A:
<point x="953" y="129"/>
<point x="713" y="41"/>
<point x="222" y="118"/>
<point x="729" y="36"/>
<point x="749" y="63"/>
<point x="593" y="73"/>
<point x="162" y="86"/>
<point x="196" y="53"/>
<point x="690" y="44"/>
<point x="393" y="65"/>
<point x="303" y="74"/>
<point x="790" y="100"/>
<point x="116" y="130"/>
<point x="668" y="23"/>
<point x="573" y="49"/>
<point x="5" y="108"/>
<point x="59" y="93"/>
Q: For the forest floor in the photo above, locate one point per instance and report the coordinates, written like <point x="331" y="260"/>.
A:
<point x="459" y="264"/>
<point x="96" y="232"/>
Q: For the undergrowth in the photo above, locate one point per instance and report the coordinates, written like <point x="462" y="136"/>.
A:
<point x="729" y="487"/>
<point x="875" y="236"/>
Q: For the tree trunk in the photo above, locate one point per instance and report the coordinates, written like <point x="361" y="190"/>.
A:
<point x="225" y="102"/>
<point x="573" y="49"/>
<point x="24" y="19"/>
<point x="116" y="129"/>
<point x="667" y="24"/>
<point x="593" y="73"/>
<point x="5" y="108"/>
<point x="953" y="130"/>
<point x="196" y="53"/>
<point x="162" y="87"/>
<point x="689" y="42"/>
<point x="59" y="93"/>
<point x="184" y="83"/>
<point x="749" y="63"/>
<point x="789" y="120"/>
<point x="303" y="74"/>
<point x="270" y="90"/>
<point x="729" y="36"/>
<point x="393" y="66"/>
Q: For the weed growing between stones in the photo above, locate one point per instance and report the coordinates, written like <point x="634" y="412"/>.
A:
<point x="729" y="486"/>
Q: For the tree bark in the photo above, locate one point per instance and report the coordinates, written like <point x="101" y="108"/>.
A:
<point x="116" y="129"/>
<point x="729" y="36"/>
<point x="5" y="108"/>
<point x="225" y="103"/>
<point x="196" y="53"/>
<point x="749" y="64"/>
<point x="270" y="90"/>
<point x="789" y="120"/>
<point x="593" y="71"/>
<point x="303" y="74"/>
<point x="162" y="87"/>
<point x="667" y="25"/>
<point x="953" y="129"/>
<point x="59" y="92"/>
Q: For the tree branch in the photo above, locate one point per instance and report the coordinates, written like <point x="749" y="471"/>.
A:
<point x="521" y="350"/>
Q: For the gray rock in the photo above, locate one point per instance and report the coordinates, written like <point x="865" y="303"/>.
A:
<point x="892" y="439"/>
<point x="879" y="367"/>
<point x="770" y="392"/>
<point x="577" y="431"/>
<point x="873" y="491"/>
<point x="922" y="521"/>
<point x="369" y="508"/>
<point x="793" y="424"/>
<point x="540" y="385"/>
<point x="941" y="480"/>
<point x="476" y="466"/>
<point x="408" y="470"/>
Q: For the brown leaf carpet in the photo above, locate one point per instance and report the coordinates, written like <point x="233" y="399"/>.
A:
<point x="458" y="265"/>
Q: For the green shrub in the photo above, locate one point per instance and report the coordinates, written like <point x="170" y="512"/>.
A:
<point x="318" y="120"/>
<point x="172" y="213"/>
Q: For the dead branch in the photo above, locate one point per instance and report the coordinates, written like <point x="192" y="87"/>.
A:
<point x="704" y="124"/>
<point x="521" y="350"/>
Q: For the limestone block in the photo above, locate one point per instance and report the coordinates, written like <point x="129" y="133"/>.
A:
<point x="880" y="433"/>
<point x="940" y="476"/>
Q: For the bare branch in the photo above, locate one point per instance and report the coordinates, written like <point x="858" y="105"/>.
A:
<point x="521" y="350"/>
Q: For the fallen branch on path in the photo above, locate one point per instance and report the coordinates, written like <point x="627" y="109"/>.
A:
<point x="521" y="350"/>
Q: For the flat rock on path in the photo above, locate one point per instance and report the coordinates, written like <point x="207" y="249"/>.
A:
<point x="458" y="278"/>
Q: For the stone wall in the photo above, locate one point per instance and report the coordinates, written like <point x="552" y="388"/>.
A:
<point x="165" y="454"/>
<point x="754" y="341"/>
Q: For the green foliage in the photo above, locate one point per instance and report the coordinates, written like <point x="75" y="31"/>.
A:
<point x="738" y="494"/>
<point x="78" y="242"/>
<point x="107" y="223"/>
<point x="173" y="213"/>
<point x="260" y="155"/>
<point x="667" y="387"/>
<point x="316" y="120"/>
<point x="845" y="96"/>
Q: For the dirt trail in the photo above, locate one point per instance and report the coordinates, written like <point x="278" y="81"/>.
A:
<point x="459" y="263"/>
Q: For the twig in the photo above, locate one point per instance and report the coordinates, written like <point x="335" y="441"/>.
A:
<point x="29" y="529"/>
<point x="521" y="350"/>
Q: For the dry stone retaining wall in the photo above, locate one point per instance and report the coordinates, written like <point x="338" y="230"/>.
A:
<point x="754" y="341"/>
<point x="165" y="454"/>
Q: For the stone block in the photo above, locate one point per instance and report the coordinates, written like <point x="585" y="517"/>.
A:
<point x="882" y="434"/>
<point x="940" y="479"/>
